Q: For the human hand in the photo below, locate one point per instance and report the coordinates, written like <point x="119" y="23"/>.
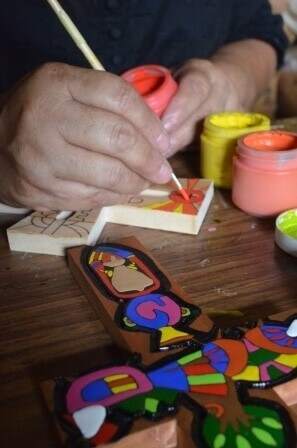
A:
<point x="204" y="88"/>
<point x="73" y="138"/>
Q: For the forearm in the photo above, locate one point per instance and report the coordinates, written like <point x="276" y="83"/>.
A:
<point x="249" y="65"/>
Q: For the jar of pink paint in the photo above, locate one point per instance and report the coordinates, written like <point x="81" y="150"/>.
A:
<point x="155" y="84"/>
<point x="265" y="173"/>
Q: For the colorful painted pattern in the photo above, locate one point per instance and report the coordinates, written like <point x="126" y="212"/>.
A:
<point x="177" y="204"/>
<point x="211" y="381"/>
<point x="143" y="292"/>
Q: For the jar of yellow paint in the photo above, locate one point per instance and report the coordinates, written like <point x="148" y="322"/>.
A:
<point x="218" y="142"/>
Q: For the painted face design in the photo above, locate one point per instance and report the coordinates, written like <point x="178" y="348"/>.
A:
<point x="143" y="292"/>
<point x="122" y="273"/>
<point x="212" y="382"/>
<point x="164" y="315"/>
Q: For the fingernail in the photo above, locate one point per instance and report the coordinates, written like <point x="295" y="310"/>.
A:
<point x="163" y="142"/>
<point x="164" y="174"/>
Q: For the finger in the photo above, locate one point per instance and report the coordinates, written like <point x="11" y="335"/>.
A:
<point x="189" y="129"/>
<point x="194" y="89"/>
<point x="110" y="92"/>
<point x="107" y="133"/>
<point x="101" y="171"/>
<point x="41" y="200"/>
<point x="182" y="137"/>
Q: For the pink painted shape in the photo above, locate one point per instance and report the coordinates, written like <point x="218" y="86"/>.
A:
<point x="148" y="309"/>
<point x="250" y="347"/>
<point x="75" y="401"/>
<point x="264" y="369"/>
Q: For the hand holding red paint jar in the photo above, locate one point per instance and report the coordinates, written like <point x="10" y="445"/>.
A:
<point x="75" y="138"/>
<point x="204" y="88"/>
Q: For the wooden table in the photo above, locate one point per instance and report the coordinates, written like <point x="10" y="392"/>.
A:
<point x="48" y="327"/>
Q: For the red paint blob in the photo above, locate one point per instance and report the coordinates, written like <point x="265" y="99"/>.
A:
<point x="105" y="435"/>
<point x="271" y="141"/>
<point x="196" y="196"/>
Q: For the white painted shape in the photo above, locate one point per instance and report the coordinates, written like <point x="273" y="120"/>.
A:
<point x="90" y="419"/>
<point x="64" y="215"/>
<point x="292" y="330"/>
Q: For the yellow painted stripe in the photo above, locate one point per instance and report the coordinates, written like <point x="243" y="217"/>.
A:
<point x="250" y="373"/>
<point x="288" y="360"/>
<point x="91" y="259"/>
<point x="119" y="376"/>
<point x="157" y="205"/>
<point x="124" y="388"/>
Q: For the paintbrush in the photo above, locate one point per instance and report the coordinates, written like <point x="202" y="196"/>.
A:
<point x="81" y="43"/>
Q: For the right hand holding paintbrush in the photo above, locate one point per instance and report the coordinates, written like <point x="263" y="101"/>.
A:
<point x="75" y="138"/>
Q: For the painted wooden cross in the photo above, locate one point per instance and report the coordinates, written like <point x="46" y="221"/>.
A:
<point x="159" y="207"/>
<point x="217" y="386"/>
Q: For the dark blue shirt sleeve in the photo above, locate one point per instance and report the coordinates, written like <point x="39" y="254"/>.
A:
<point x="253" y="19"/>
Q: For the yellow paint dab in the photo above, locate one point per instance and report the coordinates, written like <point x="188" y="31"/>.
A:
<point x="111" y="378"/>
<point x="171" y="334"/>
<point x="124" y="388"/>
<point x="179" y="209"/>
<point x="288" y="360"/>
<point x="250" y="373"/>
<point x="158" y="205"/>
<point x="92" y="256"/>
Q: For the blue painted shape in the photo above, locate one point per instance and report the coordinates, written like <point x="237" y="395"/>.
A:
<point x="280" y="337"/>
<point x="170" y="376"/>
<point x="114" y="250"/>
<point x="156" y="317"/>
<point x="95" y="391"/>
<point x="219" y="360"/>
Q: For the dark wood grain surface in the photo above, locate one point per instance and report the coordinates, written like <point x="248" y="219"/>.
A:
<point x="49" y="328"/>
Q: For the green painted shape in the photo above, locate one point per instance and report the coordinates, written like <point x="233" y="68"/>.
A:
<point x="261" y="413"/>
<point x="134" y="405"/>
<point x="252" y="436"/>
<point x="210" y="378"/>
<point x="242" y="442"/>
<point x="288" y="223"/>
<point x="264" y="436"/>
<point x="219" y="441"/>
<point x="165" y="395"/>
<point x="189" y="358"/>
<point x="274" y="373"/>
<point x="137" y="405"/>
<point x="271" y="423"/>
<point x="151" y="405"/>
<point x="210" y="429"/>
<point x="260" y="357"/>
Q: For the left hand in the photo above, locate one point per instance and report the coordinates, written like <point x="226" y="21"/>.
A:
<point x="204" y="88"/>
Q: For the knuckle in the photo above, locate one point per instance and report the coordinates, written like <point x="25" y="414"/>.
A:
<point x="116" y="176"/>
<point x="123" y="136"/>
<point x="52" y="70"/>
<point x="125" y="96"/>
<point x="199" y="85"/>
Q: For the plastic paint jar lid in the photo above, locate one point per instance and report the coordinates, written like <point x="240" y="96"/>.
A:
<point x="155" y="84"/>
<point x="286" y="232"/>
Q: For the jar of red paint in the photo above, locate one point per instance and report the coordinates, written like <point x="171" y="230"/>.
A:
<point x="265" y="173"/>
<point x="155" y="84"/>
